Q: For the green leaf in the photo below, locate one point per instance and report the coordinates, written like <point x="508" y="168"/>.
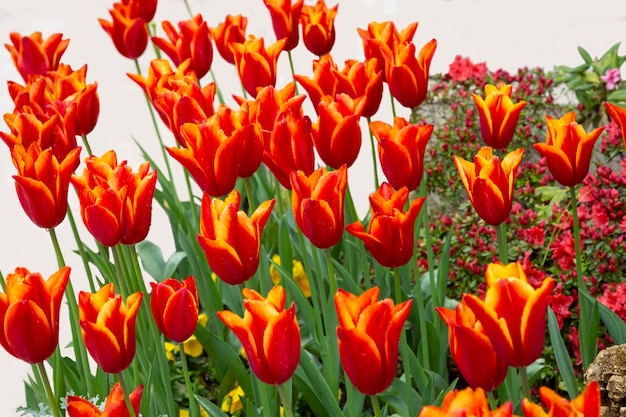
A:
<point x="313" y="373"/>
<point x="585" y="55"/>
<point x="614" y="324"/>
<point x="563" y="360"/>
<point x="209" y="407"/>
<point x="151" y="259"/>
<point x="617" y="96"/>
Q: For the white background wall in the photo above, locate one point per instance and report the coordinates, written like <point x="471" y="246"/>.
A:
<point x="505" y="34"/>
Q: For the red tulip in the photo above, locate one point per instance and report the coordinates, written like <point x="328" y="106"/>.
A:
<point x="256" y="65"/>
<point x="108" y="327"/>
<point x="489" y="183"/>
<point x="337" y="134"/>
<point x="285" y="17"/>
<point x="362" y="79"/>
<point x="231" y="241"/>
<point x="317" y="201"/>
<point x="618" y="114"/>
<point x="383" y="35"/>
<point x="401" y="150"/>
<point x="498" y="115"/>
<point x="369" y="333"/>
<point x="33" y="55"/>
<point x="466" y="337"/>
<point x="29" y="314"/>
<point x="269" y="334"/>
<point x="318" y="27"/>
<point x="513" y="313"/>
<point x="232" y="30"/>
<point x="115" y="203"/>
<point x="324" y="81"/>
<point x="390" y="235"/>
<point x="467" y="402"/>
<point x="587" y="404"/>
<point x="175" y="306"/>
<point x="568" y="149"/>
<point x="192" y="42"/>
<point x="127" y="30"/>
<point x="42" y="183"/>
<point x="115" y="406"/>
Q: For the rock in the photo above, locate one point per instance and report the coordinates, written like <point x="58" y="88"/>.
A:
<point x="609" y="369"/>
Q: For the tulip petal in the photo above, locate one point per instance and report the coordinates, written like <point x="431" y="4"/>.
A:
<point x="29" y="332"/>
<point x="281" y="343"/>
<point x="356" y="348"/>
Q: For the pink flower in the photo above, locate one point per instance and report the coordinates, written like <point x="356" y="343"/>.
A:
<point x="611" y="77"/>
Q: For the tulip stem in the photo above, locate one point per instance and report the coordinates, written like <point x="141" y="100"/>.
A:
<point x="193" y="407"/>
<point x="283" y="398"/>
<point x="293" y="71"/>
<point x="86" y="144"/>
<point x="331" y="272"/>
<point x="503" y="251"/>
<point x="376" y="406"/>
<point x="493" y="404"/>
<point x="125" y="393"/>
<point x="393" y="106"/>
<point x="220" y="97"/>
<point x="579" y="265"/>
<point x="188" y="9"/>
<point x="372" y="144"/>
<point x="250" y="195"/>
<point x="46" y="385"/>
<point x="523" y="374"/>
<point x="3" y="283"/>
<point x="81" y="250"/>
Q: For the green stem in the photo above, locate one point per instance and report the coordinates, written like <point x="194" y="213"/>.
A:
<point x="579" y="265"/>
<point x="220" y="97"/>
<point x="286" y="403"/>
<point x="57" y="247"/>
<point x="46" y="384"/>
<point x="129" y="404"/>
<point x="193" y="407"/>
<point x="493" y="404"/>
<point x="393" y="106"/>
<point x="3" y="283"/>
<point x="188" y="9"/>
<point x="430" y="255"/>
<point x="248" y="185"/>
<point x="331" y="272"/>
<point x="523" y="374"/>
<point x="121" y="279"/>
<point x="503" y="251"/>
<point x="81" y="250"/>
<point x="293" y="72"/>
<point x="376" y="406"/>
<point x="86" y="144"/>
<point x="421" y="314"/>
<point x="374" y="159"/>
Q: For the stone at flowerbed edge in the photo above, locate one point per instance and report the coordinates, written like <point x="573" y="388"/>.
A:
<point x="609" y="369"/>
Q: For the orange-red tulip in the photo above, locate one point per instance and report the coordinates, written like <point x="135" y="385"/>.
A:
<point x="401" y="150"/>
<point x="33" y="55"/>
<point x="108" y="327"/>
<point x="42" y="183"/>
<point x="466" y="337"/>
<point x="256" y="65"/>
<point x="324" y="81"/>
<point x="586" y="404"/>
<point x="337" y="134"/>
<point x="318" y="27"/>
<point x="192" y="41"/>
<point x="390" y="234"/>
<point x="115" y="406"/>
<point x="381" y="35"/>
<point x="498" y="115"/>
<point x="618" y="114"/>
<point x="317" y="201"/>
<point x="231" y="241"/>
<point x="513" y="313"/>
<point x="285" y="18"/>
<point x="407" y="74"/>
<point x="369" y="334"/>
<point x="231" y="30"/>
<point x="568" y="149"/>
<point x="362" y="79"/>
<point x="29" y="313"/>
<point x="468" y="402"/>
<point x="489" y="183"/>
<point x="127" y="30"/>
<point x="175" y="306"/>
<point x="115" y="203"/>
<point x="269" y="334"/>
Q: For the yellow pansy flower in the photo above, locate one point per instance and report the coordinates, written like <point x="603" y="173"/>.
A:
<point x="299" y="276"/>
<point x="232" y="401"/>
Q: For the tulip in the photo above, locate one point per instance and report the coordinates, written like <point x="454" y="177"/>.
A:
<point x="175" y="306"/>
<point x="115" y="203"/>
<point x="362" y="79"/>
<point x="381" y="35"/>
<point x="466" y="337"/>
<point x="256" y="65"/>
<point x="489" y="183"/>
<point x="618" y="114"/>
<point x="406" y="74"/>
<point x="231" y="241"/>
<point x="108" y="327"/>
<point x="467" y="402"/>
<point x="42" y="183"/>
<point x="498" y="115"/>
<point x="369" y="333"/>
<point x="337" y="134"/>
<point x="390" y="235"/>
<point x="513" y="313"/>
<point x="232" y="30"/>
<point x="29" y="314"/>
<point x="269" y="334"/>
<point x="324" y="81"/>
<point x="318" y="27"/>
<point x="87" y="107"/>
<point x="568" y="149"/>
<point x="114" y="406"/>
<point x="317" y="201"/>
<point x="192" y="42"/>
<point x="127" y="30"/>
<point x="32" y="55"/>
<point x="401" y="150"/>
<point x="586" y="404"/>
<point x="285" y="17"/>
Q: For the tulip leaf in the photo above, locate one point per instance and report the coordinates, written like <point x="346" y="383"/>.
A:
<point x="316" y="379"/>
<point x="153" y="262"/>
<point x="309" y="394"/>
<point x="614" y="324"/>
<point x="209" y="407"/>
<point x="563" y="360"/>
<point x="585" y="55"/>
